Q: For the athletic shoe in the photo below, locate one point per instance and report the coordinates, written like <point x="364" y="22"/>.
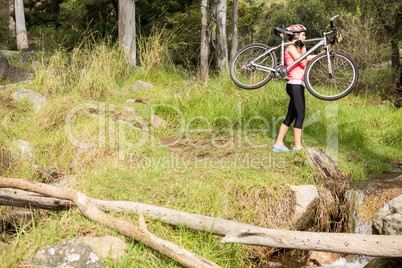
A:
<point x="297" y="149"/>
<point x="280" y="148"/>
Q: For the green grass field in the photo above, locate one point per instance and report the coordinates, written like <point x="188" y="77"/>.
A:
<point x="213" y="158"/>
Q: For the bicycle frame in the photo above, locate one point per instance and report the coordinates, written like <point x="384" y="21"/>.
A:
<point x="321" y="42"/>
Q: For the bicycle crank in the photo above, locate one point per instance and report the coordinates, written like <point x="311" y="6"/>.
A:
<point x="281" y="72"/>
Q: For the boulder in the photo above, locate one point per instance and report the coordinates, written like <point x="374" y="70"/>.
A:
<point x="307" y="200"/>
<point x="107" y="246"/>
<point x="21" y="150"/>
<point x="388" y="220"/>
<point x="322" y="258"/>
<point x="141" y="85"/>
<point x="4" y="66"/>
<point x="71" y="253"/>
<point x="18" y="74"/>
<point x="158" y="122"/>
<point x="35" y="98"/>
<point x="29" y="57"/>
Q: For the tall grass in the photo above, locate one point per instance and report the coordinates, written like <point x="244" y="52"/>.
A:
<point x="91" y="71"/>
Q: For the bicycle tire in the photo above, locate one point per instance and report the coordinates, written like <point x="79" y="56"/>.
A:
<point x="251" y="79"/>
<point x="344" y="79"/>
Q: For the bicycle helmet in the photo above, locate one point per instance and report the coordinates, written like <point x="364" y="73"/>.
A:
<point x="296" y="28"/>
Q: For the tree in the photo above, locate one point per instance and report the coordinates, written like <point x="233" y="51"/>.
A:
<point x="21" y="31"/>
<point x="204" y="40"/>
<point x="235" y="29"/>
<point x="221" y="37"/>
<point x="127" y="29"/>
<point x="11" y="20"/>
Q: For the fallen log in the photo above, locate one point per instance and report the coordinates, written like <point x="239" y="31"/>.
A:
<point x="24" y="199"/>
<point x="371" y="245"/>
<point x="181" y="255"/>
<point x="327" y="169"/>
<point x="270" y="237"/>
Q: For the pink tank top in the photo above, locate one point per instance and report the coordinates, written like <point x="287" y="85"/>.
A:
<point x="297" y="71"/>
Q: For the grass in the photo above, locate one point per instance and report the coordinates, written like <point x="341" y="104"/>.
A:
<point x="219" y="164"/>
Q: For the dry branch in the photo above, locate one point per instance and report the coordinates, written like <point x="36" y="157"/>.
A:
<point x="371" y="245"/>
<point x="184" y="257"/>
<point x="18" y="198"/>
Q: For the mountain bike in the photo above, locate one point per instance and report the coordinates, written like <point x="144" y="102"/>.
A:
<point x="331" y="75"/>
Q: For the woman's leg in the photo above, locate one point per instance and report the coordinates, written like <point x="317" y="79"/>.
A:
<point x="300" y="104"/>
<point x="297" y="134"/>
<point x="281" y="135"/>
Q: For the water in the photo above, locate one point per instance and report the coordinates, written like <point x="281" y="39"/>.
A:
<point x="364" y="199"/>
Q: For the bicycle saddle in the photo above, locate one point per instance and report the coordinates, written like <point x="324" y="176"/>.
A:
<point x="278" y="31"/>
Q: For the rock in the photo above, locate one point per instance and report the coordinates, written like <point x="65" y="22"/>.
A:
<point x="71" y="253"/>
<point x="35" y="49"/>
<point x="158" y="122"/>
<point x="307" y="200"/>
<point x="107" y="246"/>
<point x="29" y="82"/>
<point x="388" y="220"/>
<point x="322" y="258"/>
<point x="15" y="216"/>
<point x="21" y="151"/>
<point x="28" y="57"/>
<point x="380" y="262"/>
<point x="35" y="98"/>
<point x="128" y="111"/>
<point x="18" y="74"/>
<point x="4" y="66"/>
<point x="64" y="180"/>
<point x="141" y="85"/>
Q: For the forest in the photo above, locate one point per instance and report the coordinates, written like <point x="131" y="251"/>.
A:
<point x="371" y="29"/>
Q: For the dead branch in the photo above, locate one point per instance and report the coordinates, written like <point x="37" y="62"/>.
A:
<point x="184" y="257"/>
<point x="18" y="198"/>
<point x="371" y="245"/>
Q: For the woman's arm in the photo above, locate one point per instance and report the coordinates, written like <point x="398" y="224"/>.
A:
<point x="296" y="54"/>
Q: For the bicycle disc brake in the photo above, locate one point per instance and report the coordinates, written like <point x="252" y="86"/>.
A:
<point x="281" y="72"/>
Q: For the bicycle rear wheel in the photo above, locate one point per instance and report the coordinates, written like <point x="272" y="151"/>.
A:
<point x="325" y="86"/>
<point x="243" y="71"/>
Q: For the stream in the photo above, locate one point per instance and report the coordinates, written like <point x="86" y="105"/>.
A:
<point x="364" y="200"/>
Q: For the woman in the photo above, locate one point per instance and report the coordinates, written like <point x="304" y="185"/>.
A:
<point x="294" y="88"/>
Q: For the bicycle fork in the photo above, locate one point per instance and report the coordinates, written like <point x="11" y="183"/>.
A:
<point x="330" y="73"/>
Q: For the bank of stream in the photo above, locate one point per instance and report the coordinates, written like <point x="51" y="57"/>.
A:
<point x="364" y="199"/>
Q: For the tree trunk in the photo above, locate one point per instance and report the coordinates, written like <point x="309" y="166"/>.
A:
<point x="11" y="22"/>
<point x="212" y="21"/>
<point x="21" y="31"/>
<point x="221" y="37"/>
<point x="235" y="32"/>
<point x="204" y="40"/>
<point x="127" y="29"/>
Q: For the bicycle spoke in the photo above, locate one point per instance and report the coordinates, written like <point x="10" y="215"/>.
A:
<point x="344" y="76"/>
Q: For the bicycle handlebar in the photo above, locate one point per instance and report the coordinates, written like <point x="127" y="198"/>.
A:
<point x="331" y="21"/>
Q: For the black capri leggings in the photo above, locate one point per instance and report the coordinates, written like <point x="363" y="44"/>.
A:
<point x="296" y="105"/>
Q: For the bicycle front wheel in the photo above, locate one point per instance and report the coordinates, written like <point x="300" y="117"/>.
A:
<point x="245" y="70"/>
<point x="331" y="86"/>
